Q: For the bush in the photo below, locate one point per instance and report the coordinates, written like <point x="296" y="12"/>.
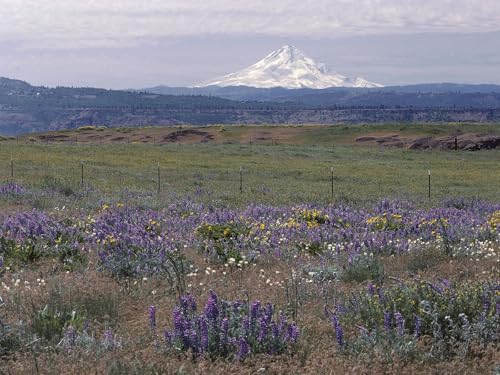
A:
<point x="456" y="317"/>
<point x="9" y="340"/>
<point x="50" y="323"/>
<point x="362" y="268"/>
<point x="58" y="185"/>
<point x="420" y="260"/>
<point x="221" y="239"/>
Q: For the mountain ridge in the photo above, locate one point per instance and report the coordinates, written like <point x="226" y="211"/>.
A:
<point x="25" y="108"/>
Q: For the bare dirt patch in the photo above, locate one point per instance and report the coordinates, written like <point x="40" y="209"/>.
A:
<point x="467" y="142"/>
<point x="189" y="136"/>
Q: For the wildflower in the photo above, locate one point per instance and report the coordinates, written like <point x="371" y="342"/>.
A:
<point x="371" y="289"/>
<point x="108" y="338"/>
<point x="339" y="332"/>
<point x="387" y="320"/>
<point x="211" y="308"/>
<point x="243" y="348"/>
<point x="400" y="323"/>
<point x="167" y="336"/>
<point x="486" y="304"/>
<point x="418" y="325"/>
<point x="70" y="337"/>
<point x="152" y="317"/>
<point x="293" y="333"/>
<point x="203" y="323"/>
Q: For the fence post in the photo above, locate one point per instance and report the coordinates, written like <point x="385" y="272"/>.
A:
<point x="429" y="174"/>
<point x="159" y="179"/>
<point x="81" y="176"/>
<point x="241" y="180"/>
<point x="11" y="168"/>
<point x="331" y="170"/>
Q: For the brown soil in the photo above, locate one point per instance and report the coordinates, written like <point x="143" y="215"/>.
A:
<point x="467" y="142"/>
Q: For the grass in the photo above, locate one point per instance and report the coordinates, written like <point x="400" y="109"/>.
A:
<point x="277" y="174"/>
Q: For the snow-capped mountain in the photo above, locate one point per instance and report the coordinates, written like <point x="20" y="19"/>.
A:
<point x="290" y="68"/>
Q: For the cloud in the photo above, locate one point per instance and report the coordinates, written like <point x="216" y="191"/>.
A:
<point x="107" y="23"/>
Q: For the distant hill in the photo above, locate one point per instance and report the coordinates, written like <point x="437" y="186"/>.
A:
<point x="437" y="95"/>
<point x="25" y="108"/>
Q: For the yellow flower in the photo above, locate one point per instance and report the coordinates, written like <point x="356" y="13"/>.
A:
<point x="494" y="220"/>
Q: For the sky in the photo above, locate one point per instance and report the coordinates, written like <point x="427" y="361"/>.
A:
<point x="136" y="44"/>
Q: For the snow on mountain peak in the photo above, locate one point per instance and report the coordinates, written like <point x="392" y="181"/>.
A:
<point x="290" y="68"/>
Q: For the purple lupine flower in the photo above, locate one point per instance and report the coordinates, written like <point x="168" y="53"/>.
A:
<point x="380" y="293"/>
<point x="224" y="327"/>
<point x="188" y="303"/>
<point x="262" y="330"/>
<point x="486" y="304"/>
<point x="193" y="341"/>
<point x="436" y="288"/>
<point x="237" y="306"/>
<point x="282" y="322"/>
<point x="335" y="321"/>
<point x="246" y="325"/>
<point x="152" y="317"/>
<point x="445" y="282"/>
<point x="211" y="307"/>
<point x="167" y="336"/>
<point x="243" y="348"/>
<point x="86" y="326"/>
<point x="400" y="323"/>
<point x="497" y="308"/>
<point x="203" y="332"/>
<point x="371" y="289"/>
<point x="339" y="335"/>
<point x="418" y="325"/>
<point x="339" y="332"/>
<point x="179" y="323"/>
<point x="387" y="320"/>
<point x="293" y="333"/>
<point x="268" y="313"/>
<point x="70" y="337"/>
<point x="255" y="310"/>
<point x="109" y="338"/>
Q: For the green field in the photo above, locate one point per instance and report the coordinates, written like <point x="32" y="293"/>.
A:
<point x="278" y="174"/>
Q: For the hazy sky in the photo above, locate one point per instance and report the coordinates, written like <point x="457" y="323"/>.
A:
<point x="132" y="43"/>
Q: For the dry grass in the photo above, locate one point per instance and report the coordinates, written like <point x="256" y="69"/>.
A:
<point x="316" y="354"/>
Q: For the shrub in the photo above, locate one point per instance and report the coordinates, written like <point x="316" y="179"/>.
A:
<point x="9" y="340"/>
<point x="23" y="252"/>
<point x="49" y="323"/>
<point x="362" y="268"/>
<point x="221" y="239"/>
<point x="454" y="316"/>
<point x="420" y="260"/>
<point x="386" y="222"/>
<point x="58" y="185"/>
